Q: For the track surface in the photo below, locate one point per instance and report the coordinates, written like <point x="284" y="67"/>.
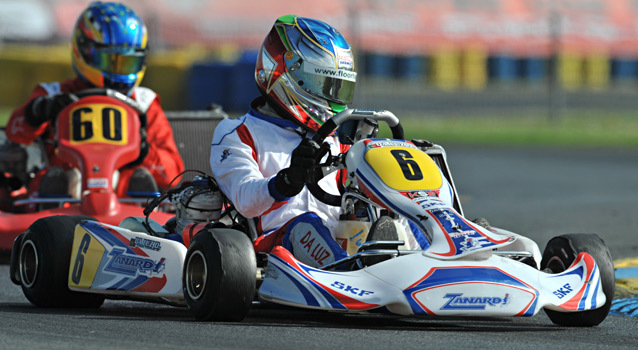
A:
<point x="536" y="192"/>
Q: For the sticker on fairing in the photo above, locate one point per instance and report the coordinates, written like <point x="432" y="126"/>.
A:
<point x="387" y="143"/>
<point x="405" y="169"/>
<point x="98" y="182"/>
<point x="86" y="256"/>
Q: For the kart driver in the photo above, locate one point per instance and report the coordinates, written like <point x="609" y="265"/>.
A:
<point x="109" y="47"/>
<point x="305" y="73"/>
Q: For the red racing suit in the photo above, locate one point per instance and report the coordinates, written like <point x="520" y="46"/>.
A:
<point x="163" y="160"/>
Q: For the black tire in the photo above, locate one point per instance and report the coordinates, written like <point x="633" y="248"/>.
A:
<point x="44" y="259"/>
<point x="559" y="254"/>
<point x="219" y="275"/>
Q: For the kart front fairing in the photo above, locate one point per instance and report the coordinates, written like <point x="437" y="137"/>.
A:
<point x="426" y="201"/>
<point x="416" y="284"/>
<point x="466" y="269"/>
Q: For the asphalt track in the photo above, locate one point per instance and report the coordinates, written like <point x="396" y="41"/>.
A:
<point x="533" y="191"/>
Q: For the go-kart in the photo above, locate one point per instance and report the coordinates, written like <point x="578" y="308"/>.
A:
<point x="97" y="134"/>
<point x="468" y="269"/>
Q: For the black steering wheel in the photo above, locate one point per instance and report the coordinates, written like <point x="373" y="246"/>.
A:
<point x="312" y="182"/>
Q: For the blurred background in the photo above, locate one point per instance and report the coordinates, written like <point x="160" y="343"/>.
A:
<point x="555" y="61"/>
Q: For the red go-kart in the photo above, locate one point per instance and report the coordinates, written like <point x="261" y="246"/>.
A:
<point x="98" y="134"/>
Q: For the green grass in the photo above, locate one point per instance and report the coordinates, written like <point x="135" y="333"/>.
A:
<point x="573" y="130"/>
<point x="4" y="116"/>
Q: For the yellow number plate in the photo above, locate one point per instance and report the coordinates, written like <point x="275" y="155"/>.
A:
<point x="98" y="123"/>
<point x="405" y="169"/>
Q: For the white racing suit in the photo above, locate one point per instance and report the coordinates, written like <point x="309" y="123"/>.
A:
<point x="246" y="154"/>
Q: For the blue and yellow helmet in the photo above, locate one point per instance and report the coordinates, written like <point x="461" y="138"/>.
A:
<point x="305" y="69"/>
<point x="109" y="46"/>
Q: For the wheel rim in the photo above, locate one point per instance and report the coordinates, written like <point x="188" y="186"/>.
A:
<point x="555" y="265"/>
<point x="196" y="274"/>
<point x="28" y="263"/>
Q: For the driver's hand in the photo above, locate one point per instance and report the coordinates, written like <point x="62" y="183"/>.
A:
<point x="290" y="181"/>
<point x="44" y="108"/>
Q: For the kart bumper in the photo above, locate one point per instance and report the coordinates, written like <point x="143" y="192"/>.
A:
<point x="417" y="284"/>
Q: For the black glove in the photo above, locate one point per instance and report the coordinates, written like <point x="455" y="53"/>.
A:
<point x="44" y="108"/>
<point x="290" y="181"/>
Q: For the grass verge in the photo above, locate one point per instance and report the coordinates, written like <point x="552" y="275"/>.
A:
<point x="4" y="116"/>
<point x="573" y="130"/>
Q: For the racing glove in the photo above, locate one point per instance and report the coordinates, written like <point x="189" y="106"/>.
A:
<point x="44" y="108"/>
<point x="290" y="181"/>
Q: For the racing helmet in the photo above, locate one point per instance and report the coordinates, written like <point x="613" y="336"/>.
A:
<point x="109" y="47"/>
<point x="305" y="69"/>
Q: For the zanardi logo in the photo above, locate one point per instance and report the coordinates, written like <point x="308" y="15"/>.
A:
<point x="132" y="265"/>
<point x="457" y="301"/>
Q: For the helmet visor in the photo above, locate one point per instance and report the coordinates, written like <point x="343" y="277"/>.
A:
<point x="116" y="62"/>
<point x="336" y="85"/>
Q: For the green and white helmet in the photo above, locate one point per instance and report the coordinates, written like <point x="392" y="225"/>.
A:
<point x="306" y="70"/>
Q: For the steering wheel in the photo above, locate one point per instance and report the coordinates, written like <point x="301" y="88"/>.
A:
<point x="312" y="182"/>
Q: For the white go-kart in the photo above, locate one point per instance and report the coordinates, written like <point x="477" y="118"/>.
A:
<point x="468" y="268"/>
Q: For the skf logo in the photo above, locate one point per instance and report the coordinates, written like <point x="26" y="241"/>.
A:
<point x="350" y="289"/>
<point x="562" y="292"/>
<point x="459" y="302"/>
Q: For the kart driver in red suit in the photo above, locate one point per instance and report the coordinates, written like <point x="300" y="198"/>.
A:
<point x="109" y="47"/>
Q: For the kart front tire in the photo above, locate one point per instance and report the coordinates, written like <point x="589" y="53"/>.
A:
<point x="219" y="277"/>
<point x="43" y="264"/>
<point x="560" y="253"/>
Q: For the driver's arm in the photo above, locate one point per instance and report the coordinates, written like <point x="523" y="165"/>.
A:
<point x="18" y="130"/>
<point x="234" y="165"/>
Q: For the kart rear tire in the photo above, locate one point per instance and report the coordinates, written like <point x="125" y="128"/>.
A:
<point x="43" y="264"/>
<point x="559" y="254"/>
<point x="219" y="277"/>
